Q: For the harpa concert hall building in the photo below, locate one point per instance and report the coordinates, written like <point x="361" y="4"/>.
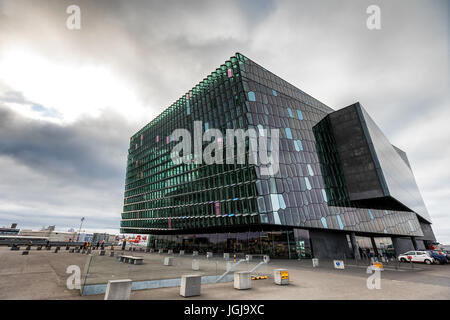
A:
<point x="341" y="189"/>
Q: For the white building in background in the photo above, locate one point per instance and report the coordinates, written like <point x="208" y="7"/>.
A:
<point x="50" y="234"/>
<point x="85" y="237"/>
<point x="63" y="236"/>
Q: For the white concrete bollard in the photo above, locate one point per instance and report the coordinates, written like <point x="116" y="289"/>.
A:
<point x="226" y="255"/>
<point x="190" y="285"/>
<point x="242" y="280"/>
<point x="315" y="262"/>
<point x="160" y="251"/>
<point x="281" y="276"/>
<point x="209" y="255"/>
<point x="195" y="253"/>
<point x="170" y="251"/>
<point x="168" y="261"/>
<point x="195" y="265"/>
<point x="181" y="252"/>
<point x="118" y="290"/>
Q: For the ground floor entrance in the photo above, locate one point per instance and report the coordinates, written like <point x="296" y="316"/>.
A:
<point x="285" y="244"/>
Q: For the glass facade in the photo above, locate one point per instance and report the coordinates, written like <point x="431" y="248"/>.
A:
<point x="207" y="206"/>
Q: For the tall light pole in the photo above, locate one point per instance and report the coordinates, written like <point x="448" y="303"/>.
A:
<point x="78" y="238"/>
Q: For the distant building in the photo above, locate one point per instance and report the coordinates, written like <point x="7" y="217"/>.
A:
<point x="45" y="233"/>
<point x="63" y="236"/>
<point x="50" y="234"/>
<point x="85" y="237"/>
<point x="108" y="238"/>
<point x="9" y="231"/>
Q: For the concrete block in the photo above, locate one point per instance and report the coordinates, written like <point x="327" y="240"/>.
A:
<point x="181" y="252"/>
<point x="195" y="265"/>
<point x="266" y="259"/>
<point x="242" y="280"/>
<point x="281" y="276"/>
<point x="248" y="257"/>
<point x="168" y="261"/>
<point x="160" y="251"/>
<point x="195" y="253"/>
<point x="25" y="253"/>
<point x="118" y="289"/>
<point x="315" y="262"/>
<point x="137" y="260"/>
<point x="111" y="254"/>
<point x="226" y="255"/>
<point x="170" y="251"/>
<point x="209" y="255"/>
<point x="190" y="285"/>
<point x="102" y="252"/>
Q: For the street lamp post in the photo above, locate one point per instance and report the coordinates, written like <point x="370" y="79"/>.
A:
<point x="78" y="238"/>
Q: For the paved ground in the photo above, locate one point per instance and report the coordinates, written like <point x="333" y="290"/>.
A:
<point x="42" y="275"/>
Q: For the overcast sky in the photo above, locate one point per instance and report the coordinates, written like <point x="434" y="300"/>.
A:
<point x="70" y="99"/>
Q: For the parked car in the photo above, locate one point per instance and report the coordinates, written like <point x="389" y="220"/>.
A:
<point x="416" y="256"/>
<point x="438" y="256"/>
<point x="447" y="253"/>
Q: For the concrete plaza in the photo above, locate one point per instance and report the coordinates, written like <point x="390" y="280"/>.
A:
<point x="42" y="275"/>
